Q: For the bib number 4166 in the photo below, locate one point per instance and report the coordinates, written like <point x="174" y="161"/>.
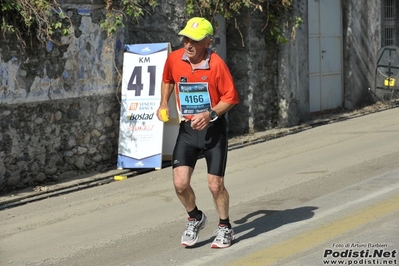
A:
<point x="135" y="82"/>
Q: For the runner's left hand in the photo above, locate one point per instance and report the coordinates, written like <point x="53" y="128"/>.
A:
<point x="200" y="121"/>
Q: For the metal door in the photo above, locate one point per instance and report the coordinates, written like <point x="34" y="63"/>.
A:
<point x="325" y="54"/>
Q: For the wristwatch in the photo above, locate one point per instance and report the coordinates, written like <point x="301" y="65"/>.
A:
<point x="213" y="115"/>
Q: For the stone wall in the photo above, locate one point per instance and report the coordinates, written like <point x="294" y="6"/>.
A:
<point x="59" y="105"/>
<point x="253" y="63"/>
<point x="272" y="80"/>
<point x="362" y="40"/>
<point x="293" y="71"/>
<point x="59" y="139"/>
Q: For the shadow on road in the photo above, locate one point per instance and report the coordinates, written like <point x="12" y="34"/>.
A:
<point x="268" y="220"/>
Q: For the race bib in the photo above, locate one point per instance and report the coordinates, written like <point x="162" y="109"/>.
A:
<point x="194" y="98"/>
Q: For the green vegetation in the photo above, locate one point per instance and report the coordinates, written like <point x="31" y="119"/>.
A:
<point x="275" y="13"/>
<point x="41" y="18"/>
<point x="46" y="20"/>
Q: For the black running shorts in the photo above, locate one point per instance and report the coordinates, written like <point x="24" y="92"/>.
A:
<point x="210" y="142"/>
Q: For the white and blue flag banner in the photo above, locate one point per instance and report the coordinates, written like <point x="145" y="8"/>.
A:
<point x="141" y="133"/>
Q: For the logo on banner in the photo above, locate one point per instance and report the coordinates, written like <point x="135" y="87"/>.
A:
<point x="143" y="106"/>
<point x="133" y="106"/>
<point x="137" y="117"/>
<point x="139" y="163"/>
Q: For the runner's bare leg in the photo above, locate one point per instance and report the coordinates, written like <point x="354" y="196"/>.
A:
<point x="220" y="195"/>
<point x="184" y="191"/>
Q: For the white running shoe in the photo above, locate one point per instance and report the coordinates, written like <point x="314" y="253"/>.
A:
<point x="190" y="235"/>
<point x="224" y="237"/>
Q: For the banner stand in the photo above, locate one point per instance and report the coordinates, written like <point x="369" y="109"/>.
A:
<point x="144" y="141"/>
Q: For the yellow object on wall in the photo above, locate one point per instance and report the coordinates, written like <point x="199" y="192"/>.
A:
<point x="389" y="82"/>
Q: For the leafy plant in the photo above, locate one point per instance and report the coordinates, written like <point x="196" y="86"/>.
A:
<point x="43" y="18"/>
<point x="118" y="10"/>
<point x="274" y="11"/>
<point x="46" y="20"/>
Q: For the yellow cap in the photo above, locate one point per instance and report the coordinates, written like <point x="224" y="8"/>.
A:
<point x="197" y="29"/>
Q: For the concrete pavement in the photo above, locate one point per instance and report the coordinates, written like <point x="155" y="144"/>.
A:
<point x="357" y="225"/>
<point x="294" y="200"/>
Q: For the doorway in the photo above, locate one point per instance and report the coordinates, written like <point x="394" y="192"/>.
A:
<point x="325" y="55"/>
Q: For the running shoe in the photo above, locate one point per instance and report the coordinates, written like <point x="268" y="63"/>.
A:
<point x="190" y="235"/>
<point x="224" y="237"/>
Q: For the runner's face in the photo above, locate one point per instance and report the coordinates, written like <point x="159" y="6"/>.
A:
<point x="195" y="49"/>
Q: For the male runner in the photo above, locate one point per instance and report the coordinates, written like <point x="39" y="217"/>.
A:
<point x="205" y="91"/>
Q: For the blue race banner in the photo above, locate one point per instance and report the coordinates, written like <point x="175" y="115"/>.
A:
<point x="141" y="133"/>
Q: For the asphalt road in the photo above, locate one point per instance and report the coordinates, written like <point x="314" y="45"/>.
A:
<point x="330" y="193"/>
